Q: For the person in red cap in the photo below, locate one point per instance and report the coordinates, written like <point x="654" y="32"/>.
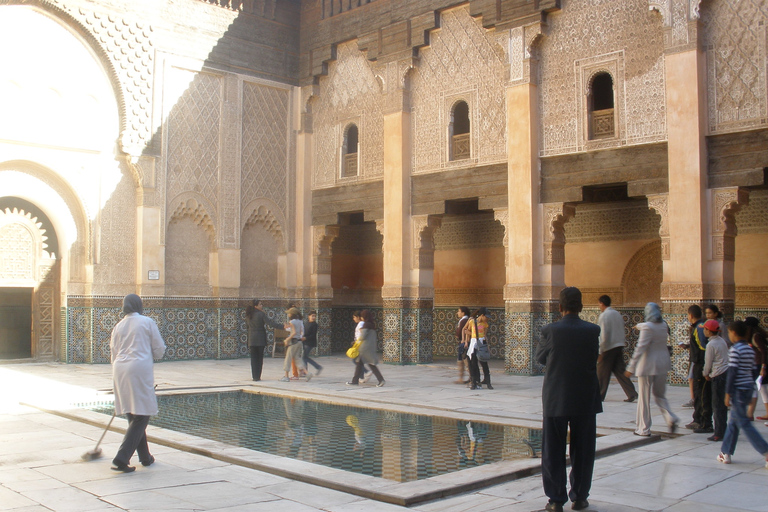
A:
<point x="716" y="372"/>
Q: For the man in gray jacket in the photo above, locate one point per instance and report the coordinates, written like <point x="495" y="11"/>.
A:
<point x="612" y="342"/>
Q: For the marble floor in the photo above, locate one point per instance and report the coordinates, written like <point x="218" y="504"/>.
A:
<point x="41" y="466"/>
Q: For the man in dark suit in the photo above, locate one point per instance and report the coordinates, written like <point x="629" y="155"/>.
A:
<point x="571" y="397"/>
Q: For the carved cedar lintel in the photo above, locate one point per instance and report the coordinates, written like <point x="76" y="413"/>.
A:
<point x="555" y="216"/>
<point x="660" y="204"/>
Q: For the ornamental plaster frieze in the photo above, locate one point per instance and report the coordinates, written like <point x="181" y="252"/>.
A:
<point x="195" y="208"/>
<point x="407" y="292"/>
<point x="526" y="293"/>
<point x="265" y="212"/>
<point x="697" y="292"/>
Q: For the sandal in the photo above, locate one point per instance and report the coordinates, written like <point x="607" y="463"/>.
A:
<point x="762" y="418"/>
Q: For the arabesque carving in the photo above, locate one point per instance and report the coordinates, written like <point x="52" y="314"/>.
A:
<point x="660" y="204"/>
<point x="643" y="111"/>
<point x="323" y="237"/>
<point x="197" y="212"/>
<point x="272" y="220"/>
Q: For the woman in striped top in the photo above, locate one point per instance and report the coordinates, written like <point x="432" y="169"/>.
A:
<point x="738" y="393"/>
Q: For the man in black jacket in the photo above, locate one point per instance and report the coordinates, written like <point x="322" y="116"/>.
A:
<point x="570" y="397"/>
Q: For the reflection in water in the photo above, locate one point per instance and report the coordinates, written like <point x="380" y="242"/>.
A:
<point x="392" y="445"/>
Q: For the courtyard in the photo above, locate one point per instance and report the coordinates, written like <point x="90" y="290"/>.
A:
<point x="41" y="466"/>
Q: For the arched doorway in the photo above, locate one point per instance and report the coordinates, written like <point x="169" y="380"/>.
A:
<point x="29" y="282"/>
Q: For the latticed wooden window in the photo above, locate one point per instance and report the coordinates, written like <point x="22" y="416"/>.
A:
<point x="602" y="124"/>
<point x="459" y="132"/>
<point x="349" y="152"/>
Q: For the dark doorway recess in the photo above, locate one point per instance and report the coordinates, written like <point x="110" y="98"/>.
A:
<point x="15" y="323"/>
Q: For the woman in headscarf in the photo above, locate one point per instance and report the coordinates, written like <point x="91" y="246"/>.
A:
<point x="650" y="363"/>
<point x="367" y="350"/>
<point x="135" y="342"/>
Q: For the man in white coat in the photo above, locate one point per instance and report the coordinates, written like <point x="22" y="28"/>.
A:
<point x="612" y="341"/>
<point x="135" y="342"/>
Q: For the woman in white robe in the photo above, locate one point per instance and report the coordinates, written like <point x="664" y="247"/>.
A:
<point x="135" y="342"/>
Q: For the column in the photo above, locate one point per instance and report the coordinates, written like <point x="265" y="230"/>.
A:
<point x="535" y="255"/>
<point x="150" y="253"/>
<point x="320" y="282"/>
<point x="408" y="289"/>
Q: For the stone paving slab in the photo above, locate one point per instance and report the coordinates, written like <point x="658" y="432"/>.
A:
<point x="40" y="467"/>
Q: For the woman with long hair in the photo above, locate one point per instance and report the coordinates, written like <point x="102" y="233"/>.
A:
<point x="257" y="321"/>
<point x="367" y="350"/>
<point x="478" y="327"/>
<point x="650" y="363"/>
<point x="293" y="345"/>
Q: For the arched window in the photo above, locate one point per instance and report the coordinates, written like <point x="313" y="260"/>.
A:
<point x="349" y="152"/>
<point x="459" y="131"/>
<point x="601" y="109"/>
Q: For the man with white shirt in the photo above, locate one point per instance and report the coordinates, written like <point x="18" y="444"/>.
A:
<point x="612" y="342"/>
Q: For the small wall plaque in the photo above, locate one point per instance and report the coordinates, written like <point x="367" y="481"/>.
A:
<point x="153" y="275"/>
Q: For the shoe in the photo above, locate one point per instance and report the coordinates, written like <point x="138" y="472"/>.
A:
<point x="123" y="468"/>
<point x="693" y="425"/>
<point x="294" y="378"/>
<point x="309" y="376"/>
<point x="580" y="504"/>
<point x="473" y="386"/>
<point x="641" y="435"/>
<point x="317" y="373"/>
<point x="724" y="458"/>
<point x="631" y="399"/>
<point x="147" y="463"/>
<point x="673" y="428"/>
<point x="704" y="430"/>
<point x="489" y="386"/>
<point x="688" y="404"/>
<point x="761" y="418"/>
<point x="554" y="507"/>
<point x="285" y="379"/>
<point x="256" y="380"/>
<point x="381" y="383"/>
<point x="714" y="438"/>
<point x="366" y="377"/>
<point x="351" y="383"/>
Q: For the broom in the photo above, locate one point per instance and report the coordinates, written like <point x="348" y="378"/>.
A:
<point x="96" y="452"/>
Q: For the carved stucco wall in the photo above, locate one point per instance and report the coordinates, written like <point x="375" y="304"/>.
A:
<point x="265" y="150"/>
<point x="350" y="93"/>
<point x="753" y="218"/>
<point x="589" y="36"/>
<point x="193" y="142"/>
<point x="258" y="262"/>
<point x="468" y="232"/>
<point x="735" y="40"/>
<point x="462" y="62"/>
<point x="116" y="266"/>
<point x="187" y="257"/>
<point x="612" y="221"/>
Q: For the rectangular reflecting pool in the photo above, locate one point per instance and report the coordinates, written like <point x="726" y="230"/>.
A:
<point x="381" y="443"/>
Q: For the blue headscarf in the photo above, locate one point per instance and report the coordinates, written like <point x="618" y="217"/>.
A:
<point x="132" y="304"/>
<point x="653" y="313"/>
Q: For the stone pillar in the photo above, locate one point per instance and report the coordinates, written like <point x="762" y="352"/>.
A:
<point x="320" y="281"/>
<point x="685" y="282"/>
<point x="535" y="258"/>
<point x="408" y="291"/>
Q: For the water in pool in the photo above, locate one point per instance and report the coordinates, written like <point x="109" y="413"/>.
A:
<point x="397" y="446"/>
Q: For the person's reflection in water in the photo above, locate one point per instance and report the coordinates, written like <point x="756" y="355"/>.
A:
<point x="470" y="442"/>
<point x="294" y="413"/>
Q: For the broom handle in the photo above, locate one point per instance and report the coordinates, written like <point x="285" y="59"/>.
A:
<point x="105" y="431"/>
